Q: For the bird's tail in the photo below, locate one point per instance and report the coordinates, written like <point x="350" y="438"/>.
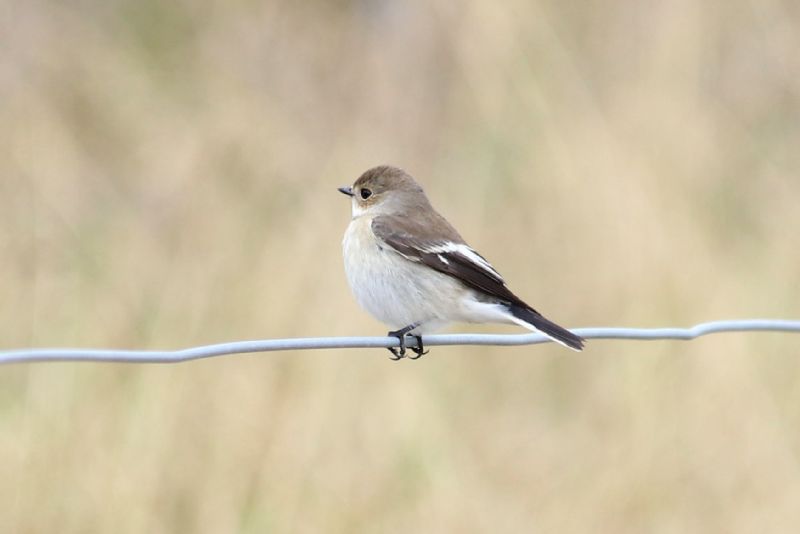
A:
<point x="534" y="320"/>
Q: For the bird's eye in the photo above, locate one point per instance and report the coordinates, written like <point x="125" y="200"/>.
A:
<point x="365" y="193"/>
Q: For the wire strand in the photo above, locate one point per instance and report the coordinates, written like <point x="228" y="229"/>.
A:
<point x="269" y="345"/>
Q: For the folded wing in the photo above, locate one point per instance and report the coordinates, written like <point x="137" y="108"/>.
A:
<point x="445" y="252"/>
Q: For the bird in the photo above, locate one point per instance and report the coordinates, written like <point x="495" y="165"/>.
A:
<point x="410" y="269"/>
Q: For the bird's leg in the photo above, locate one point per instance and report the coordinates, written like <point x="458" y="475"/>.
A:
<point x="419" y="350"/>
<point x="400" y="352"/>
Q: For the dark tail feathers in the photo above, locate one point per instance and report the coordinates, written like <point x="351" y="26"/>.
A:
<point x="547" y="327"/>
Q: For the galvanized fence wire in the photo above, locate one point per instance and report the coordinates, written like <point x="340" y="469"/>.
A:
<point x="269" y="345"/>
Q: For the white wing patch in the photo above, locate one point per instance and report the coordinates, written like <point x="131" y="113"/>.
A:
<point x="463" y="250"/>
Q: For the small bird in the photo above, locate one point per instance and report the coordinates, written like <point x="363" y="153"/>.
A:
<point x="410" y="269"/>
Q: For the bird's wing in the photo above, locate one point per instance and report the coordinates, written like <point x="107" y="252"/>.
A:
<point x="445" y="252"/>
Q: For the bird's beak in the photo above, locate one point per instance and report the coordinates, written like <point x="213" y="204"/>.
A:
<point x="346" y="190"/>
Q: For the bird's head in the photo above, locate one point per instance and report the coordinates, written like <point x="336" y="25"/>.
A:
<point x="385" y="190"/>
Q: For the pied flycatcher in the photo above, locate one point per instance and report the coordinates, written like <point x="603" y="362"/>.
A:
<point x="410" y="269"/>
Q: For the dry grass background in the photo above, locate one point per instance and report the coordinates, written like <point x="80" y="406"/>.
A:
<point x="167" y="179"/>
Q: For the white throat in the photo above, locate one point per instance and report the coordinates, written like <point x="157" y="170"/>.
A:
<point x="358" y="210"/>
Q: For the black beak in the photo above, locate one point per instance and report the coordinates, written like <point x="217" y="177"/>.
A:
<point x="347" y="190"/>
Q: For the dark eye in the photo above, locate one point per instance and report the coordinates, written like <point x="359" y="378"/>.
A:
<point x="365" y="193"/>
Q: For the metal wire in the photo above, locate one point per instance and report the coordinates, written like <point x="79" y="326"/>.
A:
<point x="268" y="345"/>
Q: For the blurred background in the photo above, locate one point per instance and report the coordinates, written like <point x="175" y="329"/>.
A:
<point x="167" y="179"/>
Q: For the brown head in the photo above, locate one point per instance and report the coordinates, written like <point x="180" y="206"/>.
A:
<point x="385" y="190"/>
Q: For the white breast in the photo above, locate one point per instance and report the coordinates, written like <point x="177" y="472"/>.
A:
<point x="396" y="291"/>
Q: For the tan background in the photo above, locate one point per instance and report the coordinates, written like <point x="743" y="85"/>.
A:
<point x="167" y="179"/>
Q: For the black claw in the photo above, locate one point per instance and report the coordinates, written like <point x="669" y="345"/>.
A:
<point x="398" y="352"/>
<point x="419" y="350"/>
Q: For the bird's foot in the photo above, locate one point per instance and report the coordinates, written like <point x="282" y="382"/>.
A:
<point x="419" y="350"/>
<point x="400" y="352"/>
